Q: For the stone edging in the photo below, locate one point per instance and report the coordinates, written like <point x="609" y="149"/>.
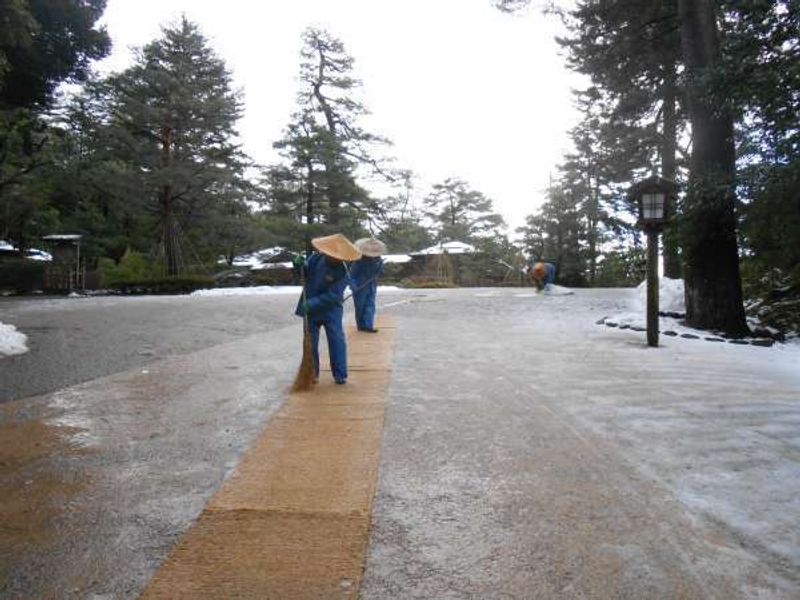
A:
<point x="762" y="342"/>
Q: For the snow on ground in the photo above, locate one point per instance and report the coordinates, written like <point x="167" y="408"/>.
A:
<point x="557" y="290"/>
<point x="550" y="290"/>
<point x="12" y="341"/>
<point x="262" y="290"/>
<point x="454" y="247"/>
<point x="396" y="259"/>
<point x="258" y="259"/>
<point x="259" y="290"/>
<point x="670" y="295"/>
<point x="718" y="424"/>
<point x="670" y="299"/>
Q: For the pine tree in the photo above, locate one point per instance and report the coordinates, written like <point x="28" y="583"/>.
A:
<point x="326" y="148"/>
<point x="554" y="234"/>
<point x="460" y="213"/>
<point x="171" y="123"/>
<point x="631" y="50"/>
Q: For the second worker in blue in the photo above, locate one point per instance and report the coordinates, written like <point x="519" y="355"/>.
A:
<point x="325" y="279"/>
<point x="364" y="275"/>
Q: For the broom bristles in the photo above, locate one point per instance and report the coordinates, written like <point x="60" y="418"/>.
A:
<point x="304" y="380"/>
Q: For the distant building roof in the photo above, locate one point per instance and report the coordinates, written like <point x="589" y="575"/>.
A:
<point x="31" y="253"/>
<point x="63" y="237"/>
<point x="454" y="247"/>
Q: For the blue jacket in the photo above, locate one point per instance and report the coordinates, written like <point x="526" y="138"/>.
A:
<point x="324" y="288"/>
<point x="365" y="272"/>
<point x="550" y="277"/>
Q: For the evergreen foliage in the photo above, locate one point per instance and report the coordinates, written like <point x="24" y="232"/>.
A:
<point x="326" y="150"/>
<point x="460" y="213"/>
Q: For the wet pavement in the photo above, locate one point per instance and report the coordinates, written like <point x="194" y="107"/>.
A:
<point x="77" y="339"/>
<point x="100" y="478"/>
<point x="527" y="452"/>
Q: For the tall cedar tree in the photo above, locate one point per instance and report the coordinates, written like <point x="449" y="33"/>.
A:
<point x="713" y="280"/>
<point x="631" y="50"/>
<point x="172" y="120"/>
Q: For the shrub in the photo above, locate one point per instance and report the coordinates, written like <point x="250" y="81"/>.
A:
<point x="21" y="275"/>
<point x="180" y="284"/>
<point x="133" y="266"/>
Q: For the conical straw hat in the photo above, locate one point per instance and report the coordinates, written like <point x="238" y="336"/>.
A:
<point x="371" y="246"/>
<point x="337" y="246"/>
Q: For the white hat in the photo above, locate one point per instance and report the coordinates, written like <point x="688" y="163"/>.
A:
<point x="371" y="246"/>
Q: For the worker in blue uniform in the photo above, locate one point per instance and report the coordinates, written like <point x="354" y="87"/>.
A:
<point x="543" y="274"/>
<point x="325" y="279"/>
<point x="364" y="275"/>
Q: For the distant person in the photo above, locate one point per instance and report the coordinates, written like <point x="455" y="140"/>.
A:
<point x="543" y="274"/>
<point x="323" y="295"/>
<point x="364" y="275"/>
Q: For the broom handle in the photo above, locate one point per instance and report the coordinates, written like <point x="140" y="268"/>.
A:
<point x="362" y="286"/>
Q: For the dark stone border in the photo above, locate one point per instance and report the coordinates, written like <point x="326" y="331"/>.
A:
<point x="761" y="342"/>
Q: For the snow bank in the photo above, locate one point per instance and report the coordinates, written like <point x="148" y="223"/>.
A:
<point x="670" y="295"/>
<point x="256" y="260"/>
<point x="12" y="341"/>
<point x="265" y="290"/>
<point x="447" y="247"/>
<point x="557" y="290"/>
<point x="396" y="259"/>
<point x="260" y="290"/>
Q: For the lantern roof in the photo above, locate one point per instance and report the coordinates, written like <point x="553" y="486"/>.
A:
<point x="650" y="185"/>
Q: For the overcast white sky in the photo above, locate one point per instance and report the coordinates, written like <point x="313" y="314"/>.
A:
<point x="462" y="89"/>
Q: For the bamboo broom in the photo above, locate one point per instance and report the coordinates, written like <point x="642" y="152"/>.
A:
<point x="304" y="380"/>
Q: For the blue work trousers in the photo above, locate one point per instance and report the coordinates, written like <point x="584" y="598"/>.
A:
<point x="337" y="344"/>
<point x="364" y="300"/>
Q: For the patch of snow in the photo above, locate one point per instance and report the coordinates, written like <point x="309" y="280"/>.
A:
<point x="12" y="341"/>
<point x="257" y="259"/>
<point x="448" y="247"/>
<point x="269" y="265"/>
<point x="550" y="290"/>
<point x="557" y="290"/>
<point x="670" y="295"/>
<point x="382" y="288"/>
<point x="4" y="245"/>
<point x="266" y="290"/>
<point x="398" y="259"/>
<point x="260" y="290"/>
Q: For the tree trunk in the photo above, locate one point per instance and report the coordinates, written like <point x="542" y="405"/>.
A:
<point x="330" y="167"/>
<point x="593" y="222"/>
<point x="169" y="230"/>
<point x="309" y="207"/>
<point x="713" y="281"/>
<point x="669" y="169"/>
